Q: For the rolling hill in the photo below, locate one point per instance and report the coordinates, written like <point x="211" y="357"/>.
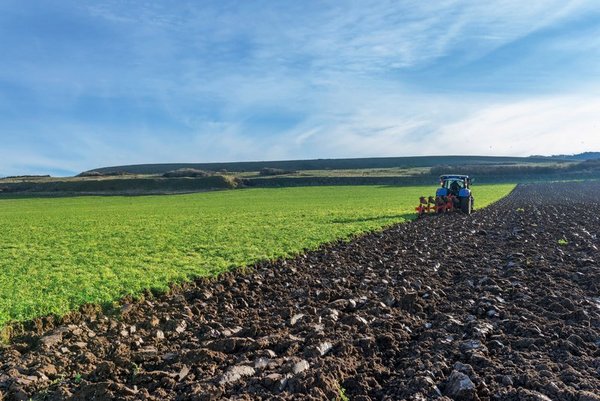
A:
<point x="324" y="164"/>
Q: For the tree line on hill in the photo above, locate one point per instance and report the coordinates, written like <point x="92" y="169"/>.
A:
<point x="518" y="170"/>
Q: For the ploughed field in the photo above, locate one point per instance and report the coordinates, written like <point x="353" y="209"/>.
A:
<point x="58" y="254"/>
<point x="500" y="305"/>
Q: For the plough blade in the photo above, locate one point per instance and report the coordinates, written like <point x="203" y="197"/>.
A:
<point x="437" y="205"/>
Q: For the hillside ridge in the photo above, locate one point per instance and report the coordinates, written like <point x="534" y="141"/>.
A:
<point x="324" y="164"/>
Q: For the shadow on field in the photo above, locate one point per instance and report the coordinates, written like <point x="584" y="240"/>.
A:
<point x="404" y="216"/>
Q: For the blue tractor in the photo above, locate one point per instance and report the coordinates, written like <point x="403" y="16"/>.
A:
<point x="453" y="194"/>
<point x="458" y="188"/>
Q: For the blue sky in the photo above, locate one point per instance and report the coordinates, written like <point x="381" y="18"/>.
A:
<point x="85" y="84"/>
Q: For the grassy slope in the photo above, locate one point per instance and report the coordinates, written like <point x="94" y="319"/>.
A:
<point x="56" y="254"/>
<point x="327" y="164"/>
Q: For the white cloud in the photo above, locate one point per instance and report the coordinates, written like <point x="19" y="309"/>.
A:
<point x="367" y="35"/>
<point x="367" y="127"/>
<point x="553" y="125"/>
<point x="354" y="35"/>
<point x="542" y="125"/>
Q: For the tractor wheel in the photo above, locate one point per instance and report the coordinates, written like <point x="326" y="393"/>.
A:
<point x="466" y="205"/>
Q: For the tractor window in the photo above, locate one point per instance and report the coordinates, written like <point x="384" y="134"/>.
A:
<point x="448" y="184"/>
<point x="454" y="186"/>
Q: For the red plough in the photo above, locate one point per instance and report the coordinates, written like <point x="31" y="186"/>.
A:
<point x="439" y="204"/>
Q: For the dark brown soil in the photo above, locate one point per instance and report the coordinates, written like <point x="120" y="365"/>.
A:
<point x="488" y="306"/>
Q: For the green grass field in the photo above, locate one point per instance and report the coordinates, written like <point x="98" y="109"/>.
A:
<point x="57" y="254"/>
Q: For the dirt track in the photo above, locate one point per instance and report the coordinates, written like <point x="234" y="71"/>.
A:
<point x="489" y="306"/>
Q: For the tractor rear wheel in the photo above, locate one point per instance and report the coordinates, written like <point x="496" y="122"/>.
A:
<point x="466" y="205"/>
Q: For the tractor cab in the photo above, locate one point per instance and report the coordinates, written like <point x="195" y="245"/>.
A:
<point x="455" y="185"/>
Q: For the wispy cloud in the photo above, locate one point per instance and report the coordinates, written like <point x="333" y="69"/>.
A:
<point x="84" y="84"/>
